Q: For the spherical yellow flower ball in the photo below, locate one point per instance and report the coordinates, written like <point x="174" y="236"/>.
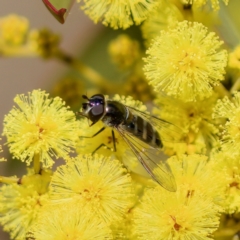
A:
<point x="186" y="61"/>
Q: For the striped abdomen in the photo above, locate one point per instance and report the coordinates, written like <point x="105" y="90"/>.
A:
<point x="143" y="130"/>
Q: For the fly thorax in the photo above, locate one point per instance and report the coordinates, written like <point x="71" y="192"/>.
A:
<point x="116" y="114"/>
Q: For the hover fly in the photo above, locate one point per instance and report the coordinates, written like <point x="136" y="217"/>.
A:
<point x="138" y="129"/>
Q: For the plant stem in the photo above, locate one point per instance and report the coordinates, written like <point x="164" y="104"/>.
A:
<point x="222" y="91"/>
<point x="36" y="163"/>
<point x="236" y="86"/>
<point x="8" y="180"/>
<point x="89" y="73"/>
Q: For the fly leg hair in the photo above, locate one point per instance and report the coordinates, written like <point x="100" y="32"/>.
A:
<point x="114" y="149"/>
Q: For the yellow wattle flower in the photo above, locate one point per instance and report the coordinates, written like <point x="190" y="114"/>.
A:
<point x="200" y="130"/>
<point x="192" y="174"/>
<point x="229" y="110"/>
<point x="165" y="215"/>
<point x="13" y="30"/>
<point x="21" y="203"/>
<point x="95" y="183"/>
<point x="186" y="62"/>
<point x="124" y="51"/>
<point x="1" y="150"/>
<point x="165" y="15"/>
<point x="122" y="230"/>
<point x="214" y="3"/>
<point x="229" y="169"/>
<point x="40" y="126"/>
<point x="118" y="13"/>
<point x="68" y="222"/>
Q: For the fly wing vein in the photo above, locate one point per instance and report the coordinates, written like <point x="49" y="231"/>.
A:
<point x="150" y="158"/>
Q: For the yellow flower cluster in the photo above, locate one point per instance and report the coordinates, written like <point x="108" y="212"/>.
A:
<point x="13" y="30"/>
<point x="165" y="15"/>
<point x="192" y="212"/>
<point x="214" y="3"/>
<point x="40" y="127"/>
<point x="118" y="13"/>
<point x="103" y="193"/>
<point x="16" y="39"/>
<point x="185" y="62"/>
<point x="164" y="215"/>
<point x="124" y="51"/>
<point x="171" y="176"/>
<point x="21" y="202"/>
<point x="230" y="110"/>
<point x="1" y="159"/>
<point x="199" y="129"/>
<point x="229" y="168"/>
<point x="97" y="184"/>
<point x="63" y="221"/>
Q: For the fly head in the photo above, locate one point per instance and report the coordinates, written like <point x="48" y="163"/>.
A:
<point x="94" y="109"/>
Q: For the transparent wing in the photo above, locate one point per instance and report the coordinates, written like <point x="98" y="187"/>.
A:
<point x="151" y="160"/>
<point x="168" y="131"/>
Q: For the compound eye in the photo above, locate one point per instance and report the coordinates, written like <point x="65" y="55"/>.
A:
<point x="96" y="113"/>
<point x="97" y="110"/>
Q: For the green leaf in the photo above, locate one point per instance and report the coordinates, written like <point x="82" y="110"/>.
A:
<point x="59" y="8"/>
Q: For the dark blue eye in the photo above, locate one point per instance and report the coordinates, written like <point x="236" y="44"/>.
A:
<point x="97" y="99"/>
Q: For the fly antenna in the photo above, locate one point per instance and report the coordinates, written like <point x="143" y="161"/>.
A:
<point x="85" y="97"/>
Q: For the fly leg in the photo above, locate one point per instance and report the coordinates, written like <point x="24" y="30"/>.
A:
<point x="95" y="134"/>
<point x="114" y="149"/>
<point x="114" y="141"/>
<point x="104" y="145"/>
